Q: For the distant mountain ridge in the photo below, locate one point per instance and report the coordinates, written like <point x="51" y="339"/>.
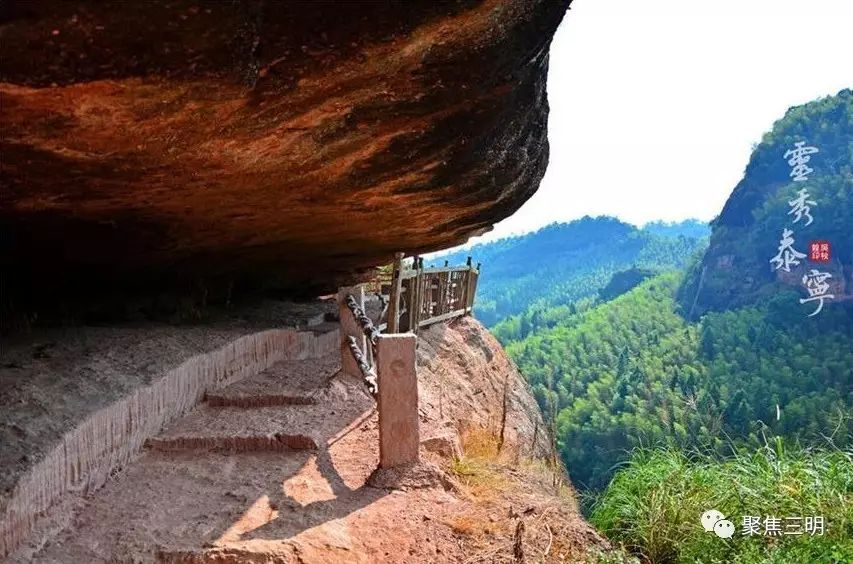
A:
<point x="718" y="365"/>
<point x="566" y="262"/>
<point x="722" y="354"/>
<point x="688" y="228"/>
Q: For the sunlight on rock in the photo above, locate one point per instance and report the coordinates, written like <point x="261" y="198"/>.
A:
<point x="331" y="543"/>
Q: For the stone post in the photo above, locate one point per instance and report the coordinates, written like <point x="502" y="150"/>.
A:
<point x="350" y="327"/>
<point x="399" y="434"/>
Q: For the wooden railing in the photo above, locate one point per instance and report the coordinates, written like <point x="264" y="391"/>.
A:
<point x="422" y="296"/>
<point x="413" y="297"/>
<point x="387" y="365"/>
<point x="384" y="355"/>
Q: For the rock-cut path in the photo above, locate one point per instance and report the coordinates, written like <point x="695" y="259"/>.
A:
<point x="270" y="469"/>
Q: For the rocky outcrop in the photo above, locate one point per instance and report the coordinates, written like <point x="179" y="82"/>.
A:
<point x="466" y="382"/>
<point x="227" y="483"/>
<point x="736" y="270"/>
<point x="55" y="444"/>
<point x="276" y="144"/>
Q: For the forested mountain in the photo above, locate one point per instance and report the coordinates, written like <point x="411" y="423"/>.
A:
<point x="736" y="269"/>
<point x="688" y="228"/>
<point x="711" y="362"/>
<point x="566" y="262"/>
<point x="641" y="368"/>
<point x="633" y="372"/>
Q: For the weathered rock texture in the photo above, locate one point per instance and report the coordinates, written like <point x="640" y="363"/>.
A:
<point x="277" y="143"/>
<point x="467" y="379"/>
<point x="259" y="502"/>
<point x="84" y="457"/>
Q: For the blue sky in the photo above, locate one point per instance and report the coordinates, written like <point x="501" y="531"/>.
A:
<point x="655" y="105"/>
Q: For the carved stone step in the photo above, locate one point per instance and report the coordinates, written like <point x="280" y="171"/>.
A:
<point x="248" y="401"/>
<point x="293" y="426"/>
<point x="275" y="442"/>
<point x="291" y="382"/>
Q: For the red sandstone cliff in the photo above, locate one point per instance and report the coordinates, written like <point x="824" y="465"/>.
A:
<point x="152" y="145"/>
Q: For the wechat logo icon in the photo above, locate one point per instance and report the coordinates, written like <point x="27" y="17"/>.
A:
<point x="713" y="520"/>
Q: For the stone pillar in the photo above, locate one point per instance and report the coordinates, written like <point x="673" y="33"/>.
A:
<point x="399" y="434"/>
<point x="350" y="327"/>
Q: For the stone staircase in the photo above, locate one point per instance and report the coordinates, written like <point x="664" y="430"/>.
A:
<point x="275" y="410"/>
<point x="227" y="469"/>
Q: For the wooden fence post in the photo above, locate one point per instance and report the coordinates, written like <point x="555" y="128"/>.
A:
<point x="469" y="287"/>
<point x="475" y="275"/>
<point x="399" y="434"/>
<point x="351" y="328"/>
<point x="444" y="279"/>
<point x="394" y="298"/>
<point x="417" y="297"/>
<point x="411" y="298"/>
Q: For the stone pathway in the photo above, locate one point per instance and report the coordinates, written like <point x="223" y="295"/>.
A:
<point x="216" y="481"/>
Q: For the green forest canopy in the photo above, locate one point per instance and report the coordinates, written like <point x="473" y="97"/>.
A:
<point x="747" y="232"/>
<point x="623" y="365"/>
<point x="708" y="360"/>
<point x="566" y="262"/>
<point x="633" y="372"/>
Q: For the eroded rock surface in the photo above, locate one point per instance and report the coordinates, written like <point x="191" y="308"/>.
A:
<point x="205" y="500"/>
<point x="277" y="143"/>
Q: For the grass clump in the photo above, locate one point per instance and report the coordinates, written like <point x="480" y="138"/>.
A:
<point x="653" y="505"/>
<point x="479" y="470"/>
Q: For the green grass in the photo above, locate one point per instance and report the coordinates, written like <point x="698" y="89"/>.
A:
<point x="653" y="505"/>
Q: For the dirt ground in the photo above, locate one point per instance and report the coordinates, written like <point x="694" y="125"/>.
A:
<point x="222" y="484"/>
<point x="51" y="379"/>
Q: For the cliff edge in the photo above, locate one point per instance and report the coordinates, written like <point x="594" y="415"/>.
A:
<point x="279" y="466"/>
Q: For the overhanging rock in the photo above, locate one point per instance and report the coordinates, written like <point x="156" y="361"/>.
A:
<point x="276" y="143"/>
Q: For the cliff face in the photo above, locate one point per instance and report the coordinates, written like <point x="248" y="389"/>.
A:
<point x="280" y="144"/>
<point x="736" y="270"/>
<point x="467" y="382"/>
